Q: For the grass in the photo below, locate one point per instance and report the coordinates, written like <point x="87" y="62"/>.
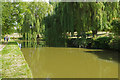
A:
<point x="13" y="62"/>
<point x="0" y="65"/>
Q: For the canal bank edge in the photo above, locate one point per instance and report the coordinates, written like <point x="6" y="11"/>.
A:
<point x="14" y="64"/>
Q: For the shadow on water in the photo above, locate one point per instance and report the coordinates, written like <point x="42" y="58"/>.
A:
<point x="106" y="55"/>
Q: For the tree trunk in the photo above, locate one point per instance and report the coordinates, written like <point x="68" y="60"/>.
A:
<point x="94" y="32"/>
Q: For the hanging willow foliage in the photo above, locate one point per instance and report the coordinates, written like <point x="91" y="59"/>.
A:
<point x="77" y="16"/>
<point x="33" y="16"/>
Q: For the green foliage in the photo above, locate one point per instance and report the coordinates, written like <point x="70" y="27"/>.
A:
<point x="115" y="43"/>
<point x="116" y="26"/>
<point x="54" y="20"/>
<point x="101" y="43"/>
<point x="80" y="17"/>
<point x="24" y="17"/>
<point x="33" y="17"/>
<point x="11" y="17"/>
<point x="7" y="18"/>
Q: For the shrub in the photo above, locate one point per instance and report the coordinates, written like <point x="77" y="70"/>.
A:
<point x="89" y="42"/>
<point x="115" y="43"/>
<point x="101" y="43"/>
<point x="116" y="26"/>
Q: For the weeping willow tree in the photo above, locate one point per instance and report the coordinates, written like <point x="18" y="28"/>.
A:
<point x="110" y="12"/>
<point x="56" y="26"/>
<point x="34" y="13"/>
<point x="80" y="17"/>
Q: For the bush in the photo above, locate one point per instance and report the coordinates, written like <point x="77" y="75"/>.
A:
<point x="82" y="42"/>
<point x="101" y="43"/>
<point x="116" y="26"/>
<point x="115" y="43"/>
<point x="89" y="42"/>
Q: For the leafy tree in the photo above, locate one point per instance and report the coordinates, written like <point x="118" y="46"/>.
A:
<point x="33" y="17"/>
<point x="116" y="26"/>
<point x="80" y="17"/>
<point x="11" y="17"/>
<point x="25" y="17"/>
<point x="7" y="18"/>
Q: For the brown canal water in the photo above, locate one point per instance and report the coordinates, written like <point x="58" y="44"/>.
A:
<point x="52" y="62"/>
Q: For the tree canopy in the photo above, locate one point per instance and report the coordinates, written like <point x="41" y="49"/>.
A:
<point x="54" y="20"/>
<point x="80" y="17"/>
<point x="23" y="16"/>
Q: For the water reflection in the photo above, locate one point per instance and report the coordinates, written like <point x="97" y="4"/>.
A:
<point x="31" y="44"/>
<point x="50" y="62"/>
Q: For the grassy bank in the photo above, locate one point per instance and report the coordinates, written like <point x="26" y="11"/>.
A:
<point x="13" y="62"/>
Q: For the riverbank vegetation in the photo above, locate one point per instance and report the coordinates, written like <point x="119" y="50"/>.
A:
<point x="57" y="22"/>
<point x="13" y="62"/>
<point x="83" y="18"/>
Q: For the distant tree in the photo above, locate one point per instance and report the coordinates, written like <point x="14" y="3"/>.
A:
<point x="11" y="17"/>
<point x="24" y="17"/>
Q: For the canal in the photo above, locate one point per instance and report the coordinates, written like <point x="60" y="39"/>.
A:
<point x="60" y="62"/>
